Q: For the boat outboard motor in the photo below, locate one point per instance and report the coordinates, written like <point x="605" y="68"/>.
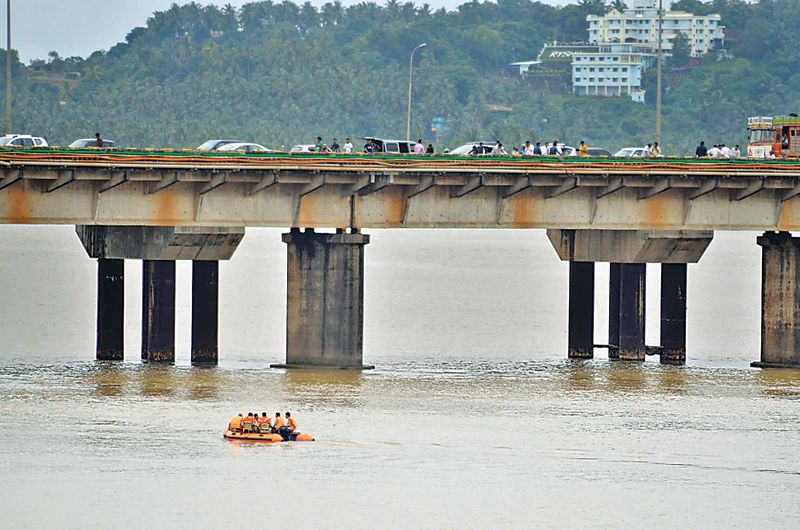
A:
<point x="285" y="432"/>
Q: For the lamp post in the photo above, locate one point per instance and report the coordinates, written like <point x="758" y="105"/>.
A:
<point x="9" y="121"/>
<point x="658" y="76"/>
<point x="410" y="69"/>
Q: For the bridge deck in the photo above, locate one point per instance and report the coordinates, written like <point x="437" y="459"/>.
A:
<point x="212" y="189"/>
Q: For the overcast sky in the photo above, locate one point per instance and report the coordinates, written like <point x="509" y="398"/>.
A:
<point x="79" y="27"/>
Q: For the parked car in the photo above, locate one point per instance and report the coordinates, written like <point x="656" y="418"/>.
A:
<point x="566" y="150"/>
<point x="23" y="140"/>
<point x="303" y="148"/>
<point x="484" y="148"/>
<point x="213" y="145"/>
<point x="83" y="143"/>
<point x="630" y="152"/>
<point x="246" y="147"/>
<point x="392" y="147"/>
<point x="594" y="152"/>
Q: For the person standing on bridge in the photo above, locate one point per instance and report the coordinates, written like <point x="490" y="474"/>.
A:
<point x="430" y="151"/>
<point x="348" y="146"/>
<point x="583" y="149"/>
<point x="335" y="147"/>
<point x="655" y="152"/>
<point x="701" y="151"/>
<point x="318" y="145"/>
<point x="419" y="148"/>
<point x="736" y="152"/>
<point x="98" y="142"/>
<point x="537" y="149"/>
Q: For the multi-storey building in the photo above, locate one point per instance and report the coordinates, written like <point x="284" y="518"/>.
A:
<point x="640" y="25"/>
<point x="613" y="70"/>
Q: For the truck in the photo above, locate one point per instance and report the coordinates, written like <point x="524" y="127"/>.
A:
<point x="773" y="137"/>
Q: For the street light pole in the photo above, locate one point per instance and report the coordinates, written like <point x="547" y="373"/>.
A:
<point x="658" y="77"/>
<point x="410" y="69"/>
<point x="9" y="121"/>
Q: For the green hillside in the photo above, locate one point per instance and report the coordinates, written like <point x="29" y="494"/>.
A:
<point x="281" y="73"/>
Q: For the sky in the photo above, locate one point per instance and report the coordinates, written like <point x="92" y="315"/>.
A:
<point x="80" y="27"/>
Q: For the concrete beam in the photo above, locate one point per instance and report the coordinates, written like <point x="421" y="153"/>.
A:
<point x="614" y="185"/>
<point x="568" y="184"/>
<point x="113" y="182"/>
<point x="660" y="186"/>
<point x="216" y="181"/>
<point x="753" y="188"/>
<point x="65" y="178"/>
<point x="425" y="183"/>
<point x="13" y="178"/>
<point x="630" y="246"/>
<point x="266" y="181"/>
<point x="704" y="189"/>
<point x="521" y="184"/>
<point x="473" y="183"/>
<point x="159" y="242"/>
<point x="170" y="179"/>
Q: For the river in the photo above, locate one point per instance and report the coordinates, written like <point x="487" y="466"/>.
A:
<point x="471" y="419"/>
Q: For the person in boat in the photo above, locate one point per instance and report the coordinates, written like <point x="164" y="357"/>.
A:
<point x="287" y="431"/>
<point x="290" y="423"/>
<point x="235" y="425"/>
<point x="249" y="423"/>
<point x="278" y="422"/>
<point x="264" y="424"/>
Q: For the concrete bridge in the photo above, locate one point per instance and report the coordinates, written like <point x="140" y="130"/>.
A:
<point x="160" y="207"/>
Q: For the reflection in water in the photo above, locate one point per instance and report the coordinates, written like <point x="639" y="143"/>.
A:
<point x="779" y="382"/>
<point x="672" y="379"/>
<point x="625" y="376"/>
<point x="109" y="379"/>
<point x="339" y="388"/>
<point x="580" y="376"/>
<point x="203" y="382"/>
<point x="157" y="380"/>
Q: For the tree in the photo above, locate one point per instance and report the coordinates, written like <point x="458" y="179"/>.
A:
<point x="681" y="50"/>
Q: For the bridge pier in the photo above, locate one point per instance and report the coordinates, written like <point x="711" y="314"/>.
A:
<point x="110" y="309"/>
<point x="780" y="301"/>
<point x="673" y="313"/>
<point x="158" y="310"/>
<point x="205" y="311"/>
<point x="580" y="336"/>
<point x="324" y="299"/>
<point x="614" y="277"/>
<point x="632" y="280"/>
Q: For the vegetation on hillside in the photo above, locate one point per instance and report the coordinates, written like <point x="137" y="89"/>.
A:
<point x="282" y="73"/>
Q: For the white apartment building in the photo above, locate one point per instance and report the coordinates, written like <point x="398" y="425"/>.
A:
<point x="613" y="70"/>
<point x="640" y="25"/>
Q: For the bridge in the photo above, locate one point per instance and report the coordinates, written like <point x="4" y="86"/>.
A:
<point x="163" y="206"/>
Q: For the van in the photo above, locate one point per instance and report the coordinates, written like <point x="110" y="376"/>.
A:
<point x="391" y="147"/>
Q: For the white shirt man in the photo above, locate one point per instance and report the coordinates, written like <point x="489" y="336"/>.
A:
<point x="735" y="152"/>
<point x="348" y="147"/>
<point x="726" y="151"/>
<point x="715" y="152"/>
<point x="419" y="148"/>
<point x="647" y="151"/>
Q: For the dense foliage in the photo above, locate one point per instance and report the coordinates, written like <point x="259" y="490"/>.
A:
<point x="281" y="73"/>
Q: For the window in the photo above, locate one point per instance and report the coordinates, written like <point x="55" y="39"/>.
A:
<point x="624" y="68"/>
<point x="591" y="69"/>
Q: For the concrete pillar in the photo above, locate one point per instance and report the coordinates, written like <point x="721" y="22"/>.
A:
<point x="780" y="301"/>
<point x="613" y="309"/>
<point x="205" y="310"/>
<point x="631" y="311"/>
<point x="673" y="313"/>
<point x="158" y="310"/>
<point x="580" y="337"/>
<point x="110" y="309"/>
<point x="324" y="299"/>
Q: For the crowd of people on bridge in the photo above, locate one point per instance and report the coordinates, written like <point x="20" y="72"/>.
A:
<point x="717" y="151"/>
<point x="253" y="423"/>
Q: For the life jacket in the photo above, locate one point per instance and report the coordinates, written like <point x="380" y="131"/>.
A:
<point x="264" y="420"/>
<point x="236" y="423"/>
<point x="279" y="422"/>
<point x="292" y="425"/>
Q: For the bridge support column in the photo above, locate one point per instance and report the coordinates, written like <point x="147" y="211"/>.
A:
<point x="325" y="299"/>
<point x="110" y="309"/>
<point x="614" y="272"/>
<point x="205" y="310"/>
<point x="158" y="310"/>
<point x="673" y="313"/>
<point x="580" y="337"/>
<point x="631" y="311"/>
<point x="780" y="301"/>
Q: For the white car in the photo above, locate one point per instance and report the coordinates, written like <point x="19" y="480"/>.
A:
<point x="630" y="152"/>
<point x="83" y="143"/>
<point x="23" y="140"/>
<point x="566" y="150"/>
<point x="246" y="147"/>
<point x="213" y="145"/>
<point x="303" y="148"/>
<point x="484" y="148"/>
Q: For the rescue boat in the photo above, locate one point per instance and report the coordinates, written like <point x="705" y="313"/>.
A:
<point x="266" y="437"/>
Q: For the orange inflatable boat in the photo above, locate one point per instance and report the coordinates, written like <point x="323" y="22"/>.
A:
<point x="266" y="437"/>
